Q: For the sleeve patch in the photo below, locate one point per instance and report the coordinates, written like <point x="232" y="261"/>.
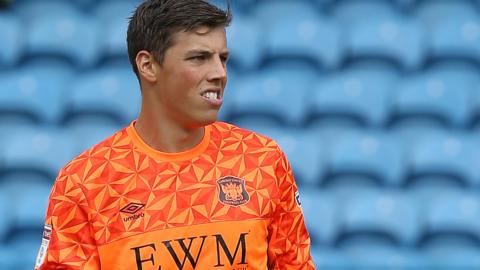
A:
<point x="42" y="252"/>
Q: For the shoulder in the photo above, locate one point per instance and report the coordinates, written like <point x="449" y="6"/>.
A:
<point x="229" y="133"/>
<point x="94" y="157"/>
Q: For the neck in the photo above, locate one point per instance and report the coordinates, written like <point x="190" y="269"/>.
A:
<point x="166" y="135"/>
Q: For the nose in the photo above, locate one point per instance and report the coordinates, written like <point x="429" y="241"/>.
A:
<point x="218" y="70"/>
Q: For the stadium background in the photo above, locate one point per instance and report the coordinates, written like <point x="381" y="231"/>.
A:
<point x="375" y="102"/>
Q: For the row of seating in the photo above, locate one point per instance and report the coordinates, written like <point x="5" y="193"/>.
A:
<point x="255" y="41"/>
<point x="50" y="93"/>
<point x="356" y="158"/>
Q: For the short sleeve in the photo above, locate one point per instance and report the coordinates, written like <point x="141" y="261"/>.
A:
<point x="67" y="241"/>
<point x="289" y="241"/>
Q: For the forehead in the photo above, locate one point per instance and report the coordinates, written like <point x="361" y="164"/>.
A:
<point x="201" y="37"/>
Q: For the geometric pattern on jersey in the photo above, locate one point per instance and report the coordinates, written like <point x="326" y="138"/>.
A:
<point x="123" y="190"/>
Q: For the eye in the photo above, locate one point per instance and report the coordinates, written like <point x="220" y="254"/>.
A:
<point x="224" y="59"/>
<point x="198" y="58"/>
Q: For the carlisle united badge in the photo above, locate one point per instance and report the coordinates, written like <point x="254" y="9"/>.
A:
<point x="232" y="191"/>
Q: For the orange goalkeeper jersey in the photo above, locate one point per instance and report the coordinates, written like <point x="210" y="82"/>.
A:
<point x="228" y="203"/>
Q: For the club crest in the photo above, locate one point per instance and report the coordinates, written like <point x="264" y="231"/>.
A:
<point x="232" y="191"/>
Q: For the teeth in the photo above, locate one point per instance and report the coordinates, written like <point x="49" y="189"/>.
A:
<point x="211" y="95"/>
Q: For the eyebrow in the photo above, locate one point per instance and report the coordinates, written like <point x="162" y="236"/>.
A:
<point x="207" y="52"/>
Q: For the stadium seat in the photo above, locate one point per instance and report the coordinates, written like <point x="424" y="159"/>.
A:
<point x="35" y="154"/>
<point x="108" y="96"/>
<point x="33" y="94"/>
<point x="350" y="12"/>
<point x="321" y="215"/>
<point x="274" y="96"/>
<point x="7" y="258"/>
<point x="269" y="12"/>
<point x="12" y="40"/>
<point x="113" y="44"/>
<point x="72" y="37"/>
<point x="330" y="259"/>
<point x="454" y="257"/>
<point x="394" y="40"/>
<point x="31" y="9"/>
<point x="384" y="257"/>
<point x="371" y="218"/>
<point x="443" y="159"/>
<point x="108" y="9"/>
<point x="304" y="151"/>
<point x="340" y="98"/>
<point x="430" y="99"/>
<point x="431" y="12"/>
<point x="365" y="158"/>
<point x="455" y="38"/>
<point x="312" y="39"/>
<point x="245" y="43"/>
<point x="7" y="217"/>
<point x="451" y="219"/>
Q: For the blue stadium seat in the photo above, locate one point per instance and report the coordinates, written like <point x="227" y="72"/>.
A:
<point x="108" y="96"/>
<point x="35" y="154"/>
<point x="25" y="248"/>
<point x="113" y="43"/>
<point x="340" y="99"/>
<point x="431" y="12"/>
<point x="350" y="12"/>
<point x="330" y="259"/>
<point x="7" y="258"/>
<point x="431" y="99"/>
<point x="7" y="217"/>
<point x="451" y="219"/>
<point x="271" y="11"/>
<point x="245" y="43"/>
<point x="33" y="94"/>
<point x="321" y="215"/>
<point x="72" y="37"/>
<point x="456" y="38"/>
<point x="443" y="159"/>
<point x="394" y="40"/>
<point x="274" y="96"/>
<point x="313" y="39"/>
<point x="304" y="150"/>
<point x="454" y="257"/>
<point x="12" y="40"/>
<point x="108" y="9"/>
<point x="384" y="257"/>
<point x="365" y="158"/>
<point x="31" y="9"/>
<point x="371" y="218"/>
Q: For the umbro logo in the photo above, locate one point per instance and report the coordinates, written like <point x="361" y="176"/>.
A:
<point x="132" y="209"/>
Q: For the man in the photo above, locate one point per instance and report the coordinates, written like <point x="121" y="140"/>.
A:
<point x="175" y="189"/>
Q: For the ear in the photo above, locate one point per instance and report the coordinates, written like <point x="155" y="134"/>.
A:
<point x="147" y="66"/>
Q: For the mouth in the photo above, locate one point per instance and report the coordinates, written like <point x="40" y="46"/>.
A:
<point x="212" y="94"/>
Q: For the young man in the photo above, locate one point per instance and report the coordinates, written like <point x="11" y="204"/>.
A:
<point x="175" y="189"/>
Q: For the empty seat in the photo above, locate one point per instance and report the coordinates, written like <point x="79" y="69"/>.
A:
<point x="456" y="38"/>
<point x="451" y="219"/>
<point x="113" y="43"/>
<point x="33" y="94"/>
<point x="372" y="218"/>
<point x="350" y="12"/>
<point x="270" y="12"/>
<point x="385" y="257"/>
<point x="454" y="257"/>
<point x="108" y="96"/>
<point x="321" y="215"/>
<point x="312" y="39"/>
<point x="394" y="40"/>
<point x="304" y="150"/>
<point x="108" y="9"/>
<point x="365" y="158"/>
<point x="274" y="96"/>
<point x="72" y="37"/>
<point x="329" y="258"/>
<point x="340" y="99"/>
<point x="431" y="12"/>
<point x="430" y="99"/>
<point x="443" y="159"/>
<point x="30" y="9"/>
<point x="245" y="43"/>
<point x="12" y="40"/>
<point x="36" y="154"/>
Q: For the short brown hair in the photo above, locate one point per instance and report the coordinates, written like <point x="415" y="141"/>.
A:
<point x="155" y="22"/>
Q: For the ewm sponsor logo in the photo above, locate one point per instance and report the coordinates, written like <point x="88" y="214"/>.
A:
<point x="188" y="251"/>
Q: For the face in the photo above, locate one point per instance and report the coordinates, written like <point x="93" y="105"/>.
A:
<point x="192" y="78"/>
